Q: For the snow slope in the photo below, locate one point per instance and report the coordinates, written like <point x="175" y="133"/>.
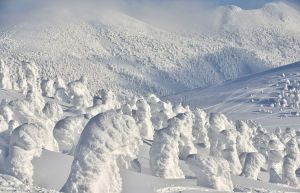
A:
<point x="58" y="167"/>
<point x="131" y="56"/>
<point x="252" y="97"/>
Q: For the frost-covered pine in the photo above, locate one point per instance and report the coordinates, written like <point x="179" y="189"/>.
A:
<point x="61" y="90"/>
<point x="108" y="97"/>
<point x="26" y="142"/>
<point x="32" y="76"/>
<point x="59" y="83"/>
<point x="21" y="81"/>
<point x="107" y="141"/>
<point x="275" y="155"/>
<point x="126" y="109"/>
<point x="253" y="163"/>
<point x="5" y="81"/>
<point x="160" y="112"/>
<point x="246" y="133"/>
<point x="186" y="145"/>
<point x="211" y="172"/>
<point x="164" y="152"/>
<point x="287" y="135"/>
<point x="143" y="119"/>
<point x="177" y="109"/>
<point x="48" y="89"/>
<point x="106" y="101"/>
<point x="67" y="132"/>
<point x="3" y="124"/>
<point x="53" y="111"/>
<point x="291" y="163"/>
<point x="218" y="122"/>
<point x="230" y="152"/>
<point x="79" y="93"/>
<point x="6" y="111"/>
<point x="261" y="141"/>
<point x="201" y="124"/>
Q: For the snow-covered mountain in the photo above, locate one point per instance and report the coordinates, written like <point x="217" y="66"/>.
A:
<point x="108" y="100"/>
<point x="122" y="53"/>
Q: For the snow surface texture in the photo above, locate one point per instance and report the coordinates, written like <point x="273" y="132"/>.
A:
<point x="126" y="55"/>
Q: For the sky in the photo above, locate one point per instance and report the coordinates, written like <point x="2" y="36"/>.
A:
<point x="248" y="4"/>
<point x="182" y="11"/>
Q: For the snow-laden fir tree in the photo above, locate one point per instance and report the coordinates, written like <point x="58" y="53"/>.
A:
<point x="252" y="165"/>
<point x="291" y="163"/>
<point x="109" y="141"/>
<point x="143" y="119"/>
<point x="5" y="81"/>
<point x="211" y="172"/>
<point x="164" y="152"/>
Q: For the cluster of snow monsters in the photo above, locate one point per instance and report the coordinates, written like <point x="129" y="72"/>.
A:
<point x="286" y="98"/>
<point x="104" y="134"/>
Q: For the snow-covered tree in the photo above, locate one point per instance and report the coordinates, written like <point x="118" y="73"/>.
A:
<point x="143" y="119"/>
<point x="291" y="163"/>
<point x="108" y="141"/>
<point x="48" y="89"/>
<point x="253" y="163"/>
<point x="275" y="155"/>
<point x="32" y="76"/>
<point x="170" y="144"/>
<point x="21" y="80"/>
<point x="53" y="111"/>
<point x="79" y="93"/>
<point x="67" y="132"/>
<point x="160" y="112"/>
<point x="230" y="152"/>
<point x="25" y="143"/>
<point x="246" y="133"/>
<point x="211" y="172"/>
<point x="5" y="81"/>
<point x="186" y="145"/>
<point x="200" y="126"/>
<point x="164" y="152"/>
<point x="6" y="111"/>
<point x="218" y="122"/>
